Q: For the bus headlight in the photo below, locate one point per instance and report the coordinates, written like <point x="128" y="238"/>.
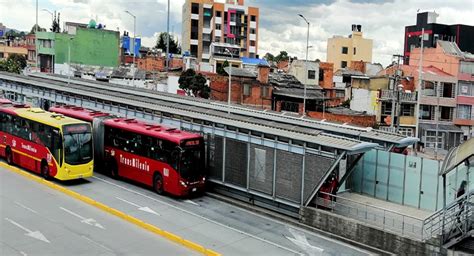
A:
<point x="183" y="183"/>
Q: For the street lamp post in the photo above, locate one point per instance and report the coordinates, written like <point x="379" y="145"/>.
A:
<point x="48" y="11"/>
<point x="133" y="45"/>
<point x="168" y="38"/>
<point x="306" y="64"/>
<point x="36" y="37"/>
<point x="230" y="83"/>
<point x="69" y="60"/>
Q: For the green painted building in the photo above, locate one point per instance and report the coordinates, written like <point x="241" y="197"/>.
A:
<point x="88" y="46"/>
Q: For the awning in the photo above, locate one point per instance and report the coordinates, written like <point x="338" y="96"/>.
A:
<point x="441" y="128"/>
<point x="457" y="156"/>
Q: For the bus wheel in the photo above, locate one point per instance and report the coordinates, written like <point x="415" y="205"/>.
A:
<point x="45" y="171"/>
<point x="158" y="184"/>
<point x="9" y="156"/>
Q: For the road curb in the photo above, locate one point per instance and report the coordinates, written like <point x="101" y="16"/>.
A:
<point x="130" y="219"/>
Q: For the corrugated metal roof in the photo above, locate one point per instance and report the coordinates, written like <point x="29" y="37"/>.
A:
<point x="240" y="72"/>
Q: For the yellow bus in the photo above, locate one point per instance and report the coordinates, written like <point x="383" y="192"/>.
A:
<point x="46" y="143"/>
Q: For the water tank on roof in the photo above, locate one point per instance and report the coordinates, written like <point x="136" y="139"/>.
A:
<point x="92" y="24"/>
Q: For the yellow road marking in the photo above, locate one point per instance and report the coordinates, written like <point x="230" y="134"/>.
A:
<point x="147" y="226"/>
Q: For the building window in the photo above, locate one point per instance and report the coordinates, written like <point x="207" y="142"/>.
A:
<point x="253" y="18"/>
<point x="233" y="17"/>
<point x="426" y="112"/>
<point x="431" y="139"/>
<point x="253" y="31"/>
<point x="446" y="114"/>
<point x="345" y="50"/>
<point x="466" y="88"/>
<point x="343" y="64"/>
<point x="289" y="106"/>
<point x="340" y="94"/>
<point x="321" y="75"/>
<point x="429" y="88"/>
<point x="406" y="131"/>
<point x="464" y="112"/>
<point x="252" y="43"/>
<point x="355" y="51"/>
<point x="448" y="90"/>
<point x="218" y="26"/>
<point x="194" y="8"/>
<point x="312" y="74"/>
<point x="217" y="39"/>
<point x="2" y="55"/>
<point x="218" y="14"/>
<point x="386" y="108"/>
<point x="467" y="67"/>
<point x="247" y="90"/>
<point x="408" y="110"/>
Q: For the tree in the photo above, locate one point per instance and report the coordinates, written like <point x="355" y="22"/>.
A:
<point x="221" y="70"/>
<point x="282" y="56"/>
<point x="194" y="84"/>
<point x="15" y="63"/>
<point x="268" y="56"/>
<point x="161" y="43"/>
<point x="33" y="30"/>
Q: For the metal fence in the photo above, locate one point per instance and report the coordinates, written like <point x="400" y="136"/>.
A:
<point x="372" y="215"/>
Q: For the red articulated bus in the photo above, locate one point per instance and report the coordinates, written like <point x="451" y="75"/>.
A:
<point x="167" y="159"/>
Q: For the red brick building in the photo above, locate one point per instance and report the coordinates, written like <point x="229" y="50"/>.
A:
<point x="247" y="88"/>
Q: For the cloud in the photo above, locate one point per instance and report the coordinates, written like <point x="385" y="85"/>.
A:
<point x="280" y="27"/>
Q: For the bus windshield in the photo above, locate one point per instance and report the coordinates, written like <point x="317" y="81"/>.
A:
<point x="77" y="144"/>
<point x="191" y="166"/>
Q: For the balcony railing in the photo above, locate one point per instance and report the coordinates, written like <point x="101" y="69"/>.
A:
<point x="404" y="96"/>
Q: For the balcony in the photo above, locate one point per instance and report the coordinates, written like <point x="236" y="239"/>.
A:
<point x="407" y="120"/>
<point x="404" y="96"/>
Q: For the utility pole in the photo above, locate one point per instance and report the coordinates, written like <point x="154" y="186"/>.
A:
<point x="418" y="88"/>
<point x="133" y="45"/>
<point x="306" y="65"/>
<point x="36" y="37"/>
<point x="437" y="114"/>
<point x="396" y="104"/>
<point x="168" y="38"/>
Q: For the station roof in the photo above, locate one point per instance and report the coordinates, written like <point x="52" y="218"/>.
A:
<point x="457" y="156"/>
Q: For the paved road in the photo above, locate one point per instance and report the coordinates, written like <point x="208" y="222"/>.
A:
<point x="214" y="224"/>
<point x="37" y="220"/>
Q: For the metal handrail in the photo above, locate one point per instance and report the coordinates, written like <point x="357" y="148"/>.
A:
<point x="433" y="224"/>
<point x="386" y="219"/>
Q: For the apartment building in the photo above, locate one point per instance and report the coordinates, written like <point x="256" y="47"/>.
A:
<point x="343" y="50"/>
<point x="448" y="57"/>
<point x="436" y="108"/>
<point x="214" y="32"/>
<point x="462" y="35"/>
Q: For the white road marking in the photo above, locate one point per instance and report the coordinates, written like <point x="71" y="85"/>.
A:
<point x="23" y="253"/>
<point x="299" y="238"/>
<point x="89" y="221"/>
<point x="199" y="216"/>
<point x="145" y="209"/>
<point x="96" y="243"/>
<point x="26" y="207"/>
<point x="306" y="231"/>
<point x="191" y="202"/>
<point x="34" y="234"/>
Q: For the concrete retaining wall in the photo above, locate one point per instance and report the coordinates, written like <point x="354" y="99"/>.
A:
<point x="362" y="233"/>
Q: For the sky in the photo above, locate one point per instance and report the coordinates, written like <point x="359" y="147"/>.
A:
<point x="280" y="26"/>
